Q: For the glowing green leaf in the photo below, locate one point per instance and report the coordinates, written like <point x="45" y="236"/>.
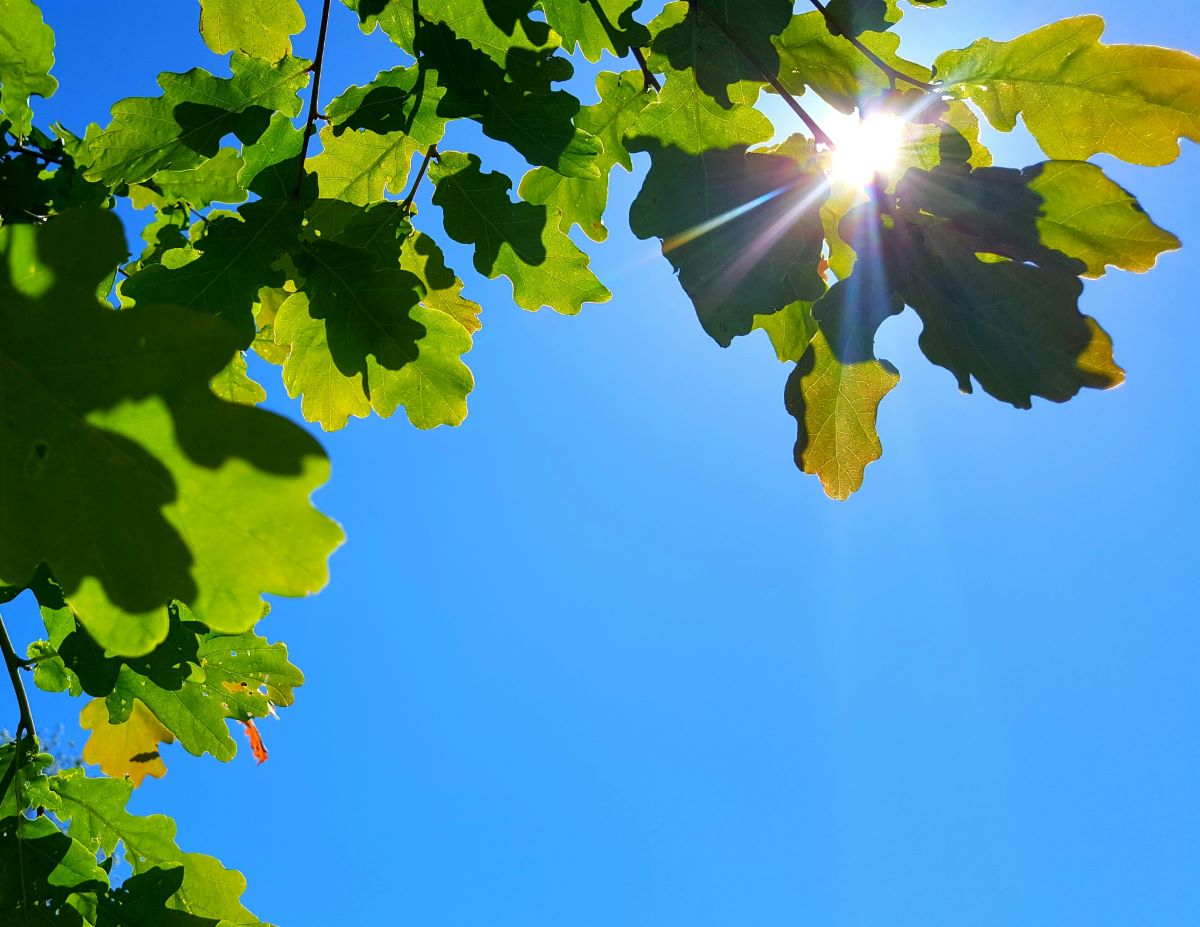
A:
<point x="260" y="28"/>
<point x="26" y="56"/>
<point x="835" y="406"/>
<point x="597" y="25"/>
<point x="180" y="495"/>
<point x="99" y="820"/>
<point x="581" y="201"/>
<point x="519" y="240"/>
<point x="185" y="125"/>
<point x="1080" y="97"/>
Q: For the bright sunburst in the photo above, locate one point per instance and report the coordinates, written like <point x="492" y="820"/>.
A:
<point x="866" y="147"/>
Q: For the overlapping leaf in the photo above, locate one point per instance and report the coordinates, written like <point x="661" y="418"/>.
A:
<point x="579" y="200"/>
<point x="519" y="240"/>
<point x="185" y="125"/>
<point x="179" y="495"/>
<point x="743" y="229"/>
<point x="360" y="338"/>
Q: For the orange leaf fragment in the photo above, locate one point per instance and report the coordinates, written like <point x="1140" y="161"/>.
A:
<point x="257" y="747"/>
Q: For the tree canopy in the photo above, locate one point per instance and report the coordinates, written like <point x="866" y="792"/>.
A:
<point x="149" y="503"/>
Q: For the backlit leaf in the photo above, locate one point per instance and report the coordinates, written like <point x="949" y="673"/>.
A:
<point x="1080" y="97"/>
<point x="260" y="28"/>
<point x="519" y="240"/>
<point x="26" y="56"/>
<point x="129" y="748"/>
<point x="184" y="496"/>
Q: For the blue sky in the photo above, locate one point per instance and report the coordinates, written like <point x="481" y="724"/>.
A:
<point x="601" y="656"/>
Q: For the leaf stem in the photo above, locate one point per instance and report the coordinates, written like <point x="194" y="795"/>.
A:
<point x="647" y="75"/>
<point x="892" y="74"/>
<point x="314" y="97"/>
<point x="13" y="662"/>
<point x="819" y="134"/>
<point x="430" y="154"/>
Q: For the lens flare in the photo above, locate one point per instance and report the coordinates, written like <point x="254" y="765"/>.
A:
<point x="867" y="147"/>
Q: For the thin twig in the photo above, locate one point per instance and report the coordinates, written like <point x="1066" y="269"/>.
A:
<point x="313" y="100"/>
<point x="892" y="74"/>
<point x="647" y="75"/>
<point x="430" y="154"/>
<point x="819" y="134"/>
<point x="37" y="154"/>
<point x="13" y="662"/>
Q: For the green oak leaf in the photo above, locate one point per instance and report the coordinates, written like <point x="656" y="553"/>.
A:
<point x="1089" y="217"/>
<point x="222" y="270"/>
<point x="722" y="43"/>
<point x="790" y="330"/>
<point x="578" y="200"/>
<point x="40" y="868"/>
<point x="1013" y="326"/>
<point x="835" y="405"/>
<point x="812" y="57"/>
<point x="1055" y="211"/>
<point x="192" y="681"/>
<point x="361" y="167"/>
<point x="686" y="117"/>
<point x="26" y="56"/>
<point x="234" y="384"/>
<point x="361" y="339"/>
<point x="519" y="240"/>
<point x="179" y="495"/>
<point x="406" y="99"/>
<point x="597" y="26"/>
<point x="396" y="18"/>
<point x="98" y="820"/>
<point x="835" y="390"/>
<point x="184" y="126"/>
<point x="214" y="181"/>
<point x="1078" y="96"/>
<point x="743" y="230"/>
<point x="513" y="104"/>
<point x="498" y="28"/>
<point x="421" y="257"/>
<point x="261" y="29"/>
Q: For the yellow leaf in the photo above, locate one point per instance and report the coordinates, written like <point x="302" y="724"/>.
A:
<point x="127" y="749"/>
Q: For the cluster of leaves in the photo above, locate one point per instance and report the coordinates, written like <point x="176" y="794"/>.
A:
<point x="149" y="505"/>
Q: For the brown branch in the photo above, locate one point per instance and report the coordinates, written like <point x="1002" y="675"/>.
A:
<point x="647" y="75"/>
<point x="818" y="133"/>
<point x="892" y="74"/>
<point x="430" y="155"/>
<point x="13" y="662"/>
<point x="313" y="99"/>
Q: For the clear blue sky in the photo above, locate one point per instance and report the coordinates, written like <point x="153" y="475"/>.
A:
<point x="601" y="656"/>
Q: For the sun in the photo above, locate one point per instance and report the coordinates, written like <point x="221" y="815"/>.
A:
<point x="866" y="147"/>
